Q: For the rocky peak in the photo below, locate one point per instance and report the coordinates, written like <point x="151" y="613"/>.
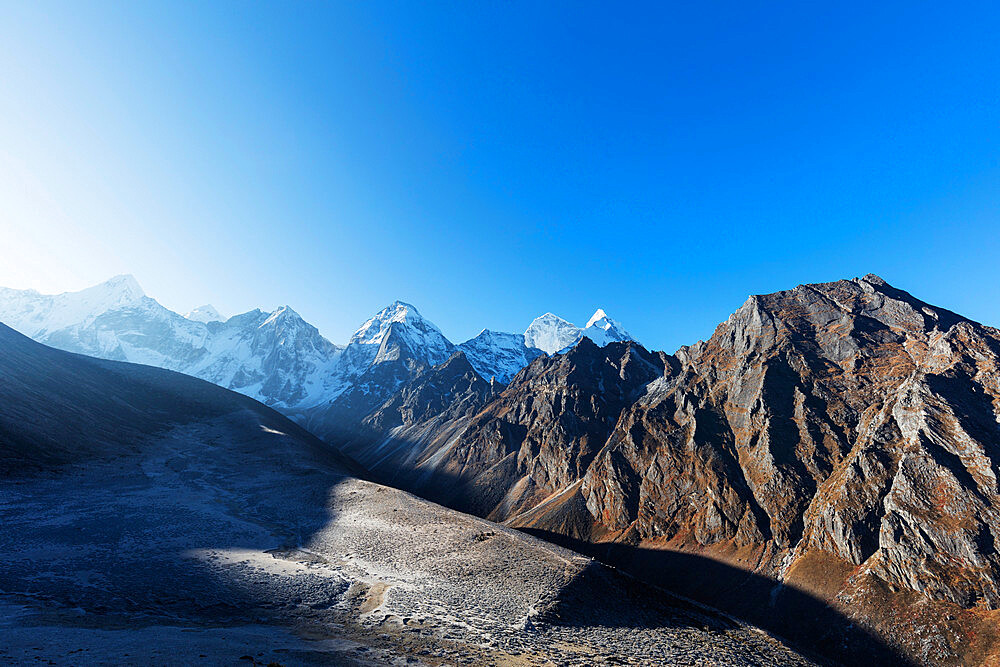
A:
<point x="838" y="437"/>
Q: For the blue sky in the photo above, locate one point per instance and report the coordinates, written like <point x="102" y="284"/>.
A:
<point x="491" y="161"/>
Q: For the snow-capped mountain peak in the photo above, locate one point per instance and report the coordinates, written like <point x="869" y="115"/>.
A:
<point x="599" y="319"/>
<point x="281" y="315"/>
<point x="603" y="330"/>
<point x="205" y="314"/>
<point x="551" y="333"/>
<point x="399" y="328"/>
<point x="375" y="329"/>
<point x="500" y="355"/>
<point x="117" y="292"/>
<point x="124" y="285"/>
<point x="33" y="313"/>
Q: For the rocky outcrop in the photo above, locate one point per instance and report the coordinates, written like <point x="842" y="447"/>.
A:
<point x="846" y="417"/>
<point x="542" y="433"/>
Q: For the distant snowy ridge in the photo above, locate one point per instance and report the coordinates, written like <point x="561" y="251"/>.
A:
<point x="277" y="357"/>
<point x="552" y="334"/>
<point x="499" y="355"/>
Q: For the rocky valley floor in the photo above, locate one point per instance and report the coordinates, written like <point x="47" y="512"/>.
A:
<point x="199" y="552"/>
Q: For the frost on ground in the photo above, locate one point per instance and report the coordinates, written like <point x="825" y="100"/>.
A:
<point x="205" y="548"/>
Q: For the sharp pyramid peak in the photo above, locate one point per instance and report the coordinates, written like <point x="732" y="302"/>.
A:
<point x="598" y="315"/>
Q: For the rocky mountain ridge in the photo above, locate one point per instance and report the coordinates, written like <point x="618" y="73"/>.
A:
<point x="840" y="439"/>
<point x="837" y="441"/>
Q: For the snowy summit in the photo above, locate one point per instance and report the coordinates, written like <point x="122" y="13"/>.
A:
<point x="603" y="330"/>
<point x="206" y="313"/>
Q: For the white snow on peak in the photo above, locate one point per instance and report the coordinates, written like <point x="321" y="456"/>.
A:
<point x="597" y="318"/>
<point x="282" y="314"/>
<point x="395" y="332"/>
<point x="603" y="330"/>
<point x="206" y="313"/>
<point x="375" y="329"/>
<point x="275" y="357"/>
<point x="498" y="354"/>
<point x="551" y="333"/>
<point x="33" y="313"/>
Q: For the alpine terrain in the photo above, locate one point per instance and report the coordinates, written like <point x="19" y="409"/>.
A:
<point x="277" y="357"/>
<point x="154" y="518"/>
<point x="824" y="466"/>
<point x="831" y="447"/>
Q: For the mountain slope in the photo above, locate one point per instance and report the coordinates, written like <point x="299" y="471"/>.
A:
<point x="60" y="408"/>
<point x="156" y="518"/>
<point x="840" y="438"/>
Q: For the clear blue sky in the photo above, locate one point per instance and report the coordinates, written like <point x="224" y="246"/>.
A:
<point x="491" y="161"/>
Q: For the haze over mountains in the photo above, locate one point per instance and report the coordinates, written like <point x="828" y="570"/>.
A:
<point x="825" y="465"/>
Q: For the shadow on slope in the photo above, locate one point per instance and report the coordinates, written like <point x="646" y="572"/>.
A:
<point x="792" y="614"/>
<point x="136" y="497"/>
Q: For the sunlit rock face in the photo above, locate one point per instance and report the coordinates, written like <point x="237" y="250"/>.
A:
<point x="844" y="417"/>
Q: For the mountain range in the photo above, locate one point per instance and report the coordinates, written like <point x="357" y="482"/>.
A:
<point x="275" y="357"/>
<point x="825" y="465"/>
<point x="150" y="517"/>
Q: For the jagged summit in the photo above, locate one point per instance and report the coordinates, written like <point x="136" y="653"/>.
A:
<point x="603" y="330"/>
<point x="282" y="312"/>
<point x="597" y="318"/>
<point x="375" y="328"/>
<point x="873" y="279"/>
<point x="398" y="332"/>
